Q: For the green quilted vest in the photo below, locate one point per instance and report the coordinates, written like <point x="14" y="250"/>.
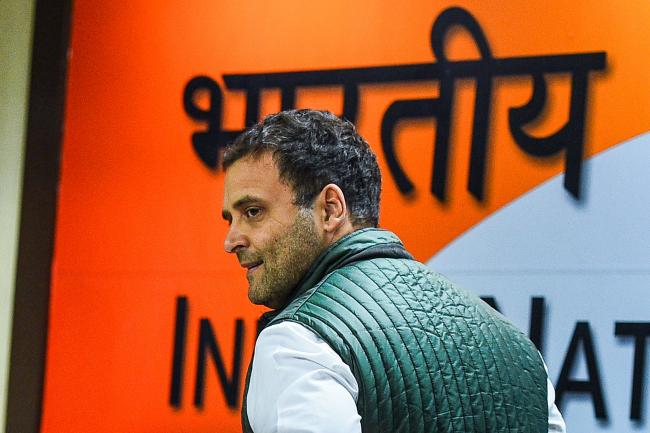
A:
<point x="428" y="356"/>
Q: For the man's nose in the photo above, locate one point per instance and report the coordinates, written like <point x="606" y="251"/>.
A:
<point x="235" y="240"/>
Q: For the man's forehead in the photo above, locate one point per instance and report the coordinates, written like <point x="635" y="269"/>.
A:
<point x="253" y="176"/>
<point x="250" y="169"/>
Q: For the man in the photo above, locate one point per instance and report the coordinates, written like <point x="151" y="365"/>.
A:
<point x="361" y="337"/>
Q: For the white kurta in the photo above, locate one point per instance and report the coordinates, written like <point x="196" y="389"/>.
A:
<point x="298" y="384"/>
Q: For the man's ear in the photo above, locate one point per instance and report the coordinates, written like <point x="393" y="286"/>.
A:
<point x="332" y="209"/>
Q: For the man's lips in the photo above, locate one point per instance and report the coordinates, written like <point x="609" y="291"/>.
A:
<point x="251" y="266"/>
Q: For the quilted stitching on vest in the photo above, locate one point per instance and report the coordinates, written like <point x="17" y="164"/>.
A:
<point x="428" y="356"/>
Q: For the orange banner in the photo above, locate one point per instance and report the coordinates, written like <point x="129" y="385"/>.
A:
<point x="150" y="329"/>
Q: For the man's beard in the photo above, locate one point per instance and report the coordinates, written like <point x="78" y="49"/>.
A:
<point x="286" y="256"/>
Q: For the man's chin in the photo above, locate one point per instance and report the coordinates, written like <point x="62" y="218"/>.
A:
<point x="257" y="298"/>
<point x="266" y="301"/>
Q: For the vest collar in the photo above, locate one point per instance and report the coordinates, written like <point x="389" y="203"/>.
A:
<point x="361" y="244"/>
<point x="364" y="244"/>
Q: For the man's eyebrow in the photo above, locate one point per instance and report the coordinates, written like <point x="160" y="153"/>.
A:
<point x="245" y="201"/>
<point x="241" y="203"/>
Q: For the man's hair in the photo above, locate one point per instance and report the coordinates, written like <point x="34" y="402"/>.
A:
<point x="312" y="149"/>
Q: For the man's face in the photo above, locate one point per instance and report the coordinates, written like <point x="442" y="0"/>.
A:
<point x="274" y="240"/>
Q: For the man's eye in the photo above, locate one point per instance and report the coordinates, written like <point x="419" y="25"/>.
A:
<point x="253" y="212"/>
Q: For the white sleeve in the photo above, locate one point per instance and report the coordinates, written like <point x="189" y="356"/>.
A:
<point x="555" y="421"/>
<point x="299" y="384"/>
